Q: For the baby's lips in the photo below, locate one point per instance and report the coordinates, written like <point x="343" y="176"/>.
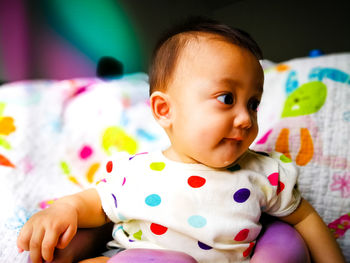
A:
<point x="237" y="139"/>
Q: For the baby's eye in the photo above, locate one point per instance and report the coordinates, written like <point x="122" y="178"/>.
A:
<point x="254" y="104"/>
<point x="226" y="98"/>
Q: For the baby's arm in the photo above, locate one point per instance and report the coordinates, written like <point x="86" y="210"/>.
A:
<point x="308" y="223"/>
<point x="57" y="225"/>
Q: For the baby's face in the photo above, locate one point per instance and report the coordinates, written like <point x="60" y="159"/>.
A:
<point x="215" y="92"/>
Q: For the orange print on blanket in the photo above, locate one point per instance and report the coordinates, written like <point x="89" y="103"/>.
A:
<point x="282" y="143"/>
<point x="6" y="125"/>
<point x="6" y="162"/>
<point x="306" y="151"/>
<point x="91" y="172"/>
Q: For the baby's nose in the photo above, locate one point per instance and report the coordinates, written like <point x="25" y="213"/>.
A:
<point x="242" y="119"/>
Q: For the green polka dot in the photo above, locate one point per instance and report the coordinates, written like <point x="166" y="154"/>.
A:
<point x="157" y="166"/>
<point x="138" y="235"/>
<point x="285" y="159"/>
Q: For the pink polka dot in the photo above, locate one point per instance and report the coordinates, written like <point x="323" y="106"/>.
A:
<point x="280" y="187"/>
<point x="158" y="229"/>
<point x="247" y="252"/>
<point x="196" y="181"/>
<point x="124" y="180"/>
<point x="109" y="166"/>
<point x="86" y="152"/>
<point x="273" y="178"/>
<point x="242" y="235"/>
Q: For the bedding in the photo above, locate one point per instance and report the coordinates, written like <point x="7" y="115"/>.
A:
<point x="56" y="136"/>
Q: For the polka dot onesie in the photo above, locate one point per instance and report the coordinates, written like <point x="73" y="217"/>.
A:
<point x="210" y="214"/>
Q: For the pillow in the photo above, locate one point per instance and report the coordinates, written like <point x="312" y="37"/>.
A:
<point x="305" y="114"/>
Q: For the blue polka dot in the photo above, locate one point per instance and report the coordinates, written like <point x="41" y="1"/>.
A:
<point x="121" y="217"/>
<point x="197" y="221"/>
<point x="241" y="195"/>
<point x="153" y="200"/>
<point x="204" y="246"/>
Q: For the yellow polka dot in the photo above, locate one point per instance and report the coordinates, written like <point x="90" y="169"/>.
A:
<point x="157" y="166"/>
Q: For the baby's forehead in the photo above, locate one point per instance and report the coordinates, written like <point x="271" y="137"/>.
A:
<point x="198" y="39"/>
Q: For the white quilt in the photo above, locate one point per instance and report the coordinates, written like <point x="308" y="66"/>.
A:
<point x="55" y="137"/>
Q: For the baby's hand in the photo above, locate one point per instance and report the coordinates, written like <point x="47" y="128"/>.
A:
<point x="48" y="229"/>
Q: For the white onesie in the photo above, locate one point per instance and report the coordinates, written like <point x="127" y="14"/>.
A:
<point x="210" y="214"/>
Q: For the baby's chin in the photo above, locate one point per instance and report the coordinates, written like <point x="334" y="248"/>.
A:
<point x="220" y="163"/>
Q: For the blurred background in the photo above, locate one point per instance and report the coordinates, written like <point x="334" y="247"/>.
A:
<point x="59" y="39"/>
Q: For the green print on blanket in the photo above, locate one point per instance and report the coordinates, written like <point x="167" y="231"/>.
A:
<point x="307" y="99"/>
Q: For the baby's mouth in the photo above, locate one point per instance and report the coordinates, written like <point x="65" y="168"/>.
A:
<point x="234" y="139"/>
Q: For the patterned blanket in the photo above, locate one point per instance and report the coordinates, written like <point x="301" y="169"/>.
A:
<point x="55" y="137"/>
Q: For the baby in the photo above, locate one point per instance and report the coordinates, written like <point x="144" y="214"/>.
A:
<point x="204" y="195"/>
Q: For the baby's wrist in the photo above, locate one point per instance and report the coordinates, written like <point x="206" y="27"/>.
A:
<point x="67" y="203"/>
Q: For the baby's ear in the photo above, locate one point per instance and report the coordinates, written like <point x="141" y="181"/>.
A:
<point x="161" y="108"/>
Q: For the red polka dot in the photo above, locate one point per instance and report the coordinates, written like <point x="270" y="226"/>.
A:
<point x="196" y="181"/>
<point x="247" y="252"/>
<point x="109" y="166"/>
<point x="158" y="229"/>
<point x="273" y="178"/>
<point x="280" y="187"/>
<point x="242" y="235"/>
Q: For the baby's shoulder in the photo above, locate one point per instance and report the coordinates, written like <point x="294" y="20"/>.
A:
<point x="261" y="161"/>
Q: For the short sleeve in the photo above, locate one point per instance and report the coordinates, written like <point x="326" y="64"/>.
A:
<point x="285" y="197"/>
<point x="109" y="187"/>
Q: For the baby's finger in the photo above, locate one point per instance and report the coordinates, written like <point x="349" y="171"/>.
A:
<point x="66" y="237"/>
<point x="48" y="245"/>
<point x="24" y="237"/>
<point x="35" y="245"/>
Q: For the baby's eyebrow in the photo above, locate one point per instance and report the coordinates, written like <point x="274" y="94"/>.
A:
<point x="229" y="82"/>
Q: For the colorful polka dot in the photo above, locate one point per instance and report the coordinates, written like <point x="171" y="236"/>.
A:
<point x="116" y="230"/>
<point x="124" y="180"/>
<point x="247" y="252"/>
<point x="285" y="159"/>
<point x="138" y="235"/>
<point x="121" y="217"/>
<point x="115" y="201"/>
<point x="109" y="166"/>
<point x="153" y="200"/>
<point x="204" y="246"/>
<point x="273" y="178"/>
<point x="157" y="166"/>
<point x="241" y="195"/>
<point x="280" y="187"/>
<point x="234" y="168"/>
<point x="197" y="221"/>
<point x="132" y="157"/>
<point x="242" y="235"/>
<point x="158" y="229"/>
<point x="196" y="181"/>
